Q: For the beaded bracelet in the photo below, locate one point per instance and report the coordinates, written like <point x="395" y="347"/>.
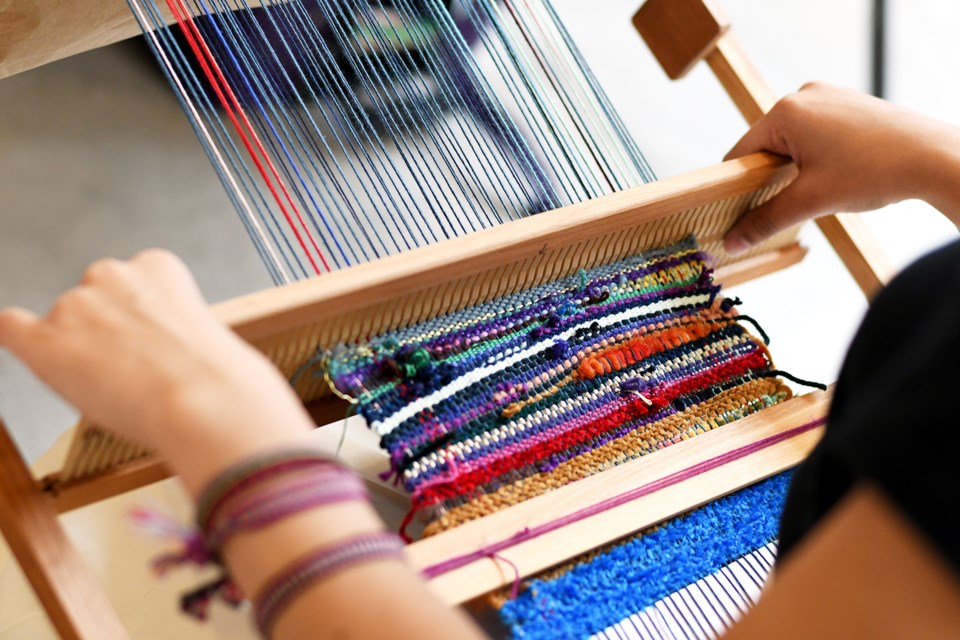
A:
<point x="292" y="581"/>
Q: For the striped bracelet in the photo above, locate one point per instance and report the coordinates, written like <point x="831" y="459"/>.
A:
<point x="239" y="477"/>
<point x="280" y="496"/>
<point x="302" y="574"/>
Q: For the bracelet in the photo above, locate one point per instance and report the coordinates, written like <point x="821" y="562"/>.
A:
<point x="246" y="497"/>
<point x="292" y="581"/>
<point x="282" y="496"/>
<point x="239" y="476"/>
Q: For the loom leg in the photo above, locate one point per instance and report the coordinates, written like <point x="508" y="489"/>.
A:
<point x="681" y="33"/>
<point x="76" y="604"/>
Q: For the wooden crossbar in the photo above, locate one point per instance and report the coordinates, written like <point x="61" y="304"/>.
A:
<point x="532" y="556"/>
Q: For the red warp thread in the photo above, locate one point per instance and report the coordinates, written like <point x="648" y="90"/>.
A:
<point x="217" y="80"/>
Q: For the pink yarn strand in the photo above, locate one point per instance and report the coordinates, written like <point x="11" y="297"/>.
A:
<point x="529" y="533"/>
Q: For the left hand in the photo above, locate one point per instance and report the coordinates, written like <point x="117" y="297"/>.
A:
<point x="137" y="350"/>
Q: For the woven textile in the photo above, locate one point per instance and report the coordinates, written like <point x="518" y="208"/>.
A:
<point x="485" y="407"/>
<point x="590" y="594"/>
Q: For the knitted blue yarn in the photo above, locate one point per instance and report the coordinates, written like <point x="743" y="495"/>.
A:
<point x="645" y="569"/>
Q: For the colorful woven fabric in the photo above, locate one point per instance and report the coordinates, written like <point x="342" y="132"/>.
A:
<point x="488" y="406"/>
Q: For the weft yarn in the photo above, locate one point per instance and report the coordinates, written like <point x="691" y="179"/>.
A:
<point x="590" y="594"/>
<point x="488" y="406"/>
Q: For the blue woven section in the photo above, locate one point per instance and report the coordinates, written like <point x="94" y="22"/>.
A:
<point x="641" y="571"/>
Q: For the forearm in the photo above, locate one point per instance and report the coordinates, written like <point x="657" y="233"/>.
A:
<point x="213" y="435"/>
<point x="865" y="572"/>
<point x="939" y="168"/>
<point x="214" y="425"/>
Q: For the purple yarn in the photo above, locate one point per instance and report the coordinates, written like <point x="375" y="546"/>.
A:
<point x="530" y="533"/>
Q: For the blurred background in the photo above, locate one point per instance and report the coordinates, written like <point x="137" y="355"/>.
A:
<point x="96" y="159"/>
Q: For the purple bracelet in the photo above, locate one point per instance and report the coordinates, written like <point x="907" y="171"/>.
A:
<point x="239" y="477"/>
<point x="286" y="496"/>
<point x="249" y="496"/>
<point x="291" y="582"/>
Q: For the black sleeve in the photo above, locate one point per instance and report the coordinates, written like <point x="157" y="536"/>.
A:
<point x="893" y="421"/>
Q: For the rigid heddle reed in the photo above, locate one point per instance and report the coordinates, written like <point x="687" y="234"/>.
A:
<point x="291" y="323"/>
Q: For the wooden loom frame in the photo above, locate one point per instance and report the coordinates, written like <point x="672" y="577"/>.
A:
<point x="289" y="320"/>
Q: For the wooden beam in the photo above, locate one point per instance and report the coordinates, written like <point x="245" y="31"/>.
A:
<point x="760" y="265"/>
<point x="73" y="599"/>
<point x="859" y="250"/>
<point x="531" y="556"/>
<point x="265" y="314"/>
<point x="36" y="32"/>
<point x="359" y="449"/>
<point x="107" y="484"/>
<point x="740" y="78"/>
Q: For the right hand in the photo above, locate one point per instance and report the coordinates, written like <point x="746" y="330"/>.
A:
<point x="854" y="153"/>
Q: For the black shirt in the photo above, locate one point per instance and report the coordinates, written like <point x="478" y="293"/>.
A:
<point x="895" y="418"/>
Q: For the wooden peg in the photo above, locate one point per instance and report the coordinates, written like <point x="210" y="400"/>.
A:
<point x="680" y="33"/>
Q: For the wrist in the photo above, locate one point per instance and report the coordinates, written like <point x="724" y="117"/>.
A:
<point x="209" y="427"/>
<point x="936" y="166"/>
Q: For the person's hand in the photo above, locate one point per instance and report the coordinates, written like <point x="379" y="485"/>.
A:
<point x="854" y="153"/>
<point x="136" y="349"/>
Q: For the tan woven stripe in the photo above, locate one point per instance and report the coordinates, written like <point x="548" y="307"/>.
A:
<point x="721" y="409"/>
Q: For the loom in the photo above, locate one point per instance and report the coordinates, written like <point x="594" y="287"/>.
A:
<point x="290" y="323"/>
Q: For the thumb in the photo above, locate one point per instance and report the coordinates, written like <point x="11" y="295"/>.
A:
<point x="792" y="205"/>
<point x="765" y="135"/>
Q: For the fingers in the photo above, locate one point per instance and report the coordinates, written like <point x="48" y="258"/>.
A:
<point x="143" y="278"/>
<point x="16" y="327"/>
<point x="794" y="204"/>
<point x="105" y="270"/>
<point x="154" y="264"/>
<point x="757" y="138"/>
<point x="774" y="131"/>
<point x="165" y="269"/>
<point x="159" y="260"/>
